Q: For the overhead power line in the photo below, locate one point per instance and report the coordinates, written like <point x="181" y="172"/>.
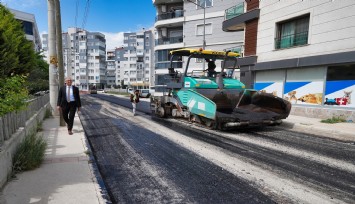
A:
<point x="76" y="12"/>
<point x="86" y="13"/>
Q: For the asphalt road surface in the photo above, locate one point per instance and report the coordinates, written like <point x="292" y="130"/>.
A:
<point x="144" y="159"/>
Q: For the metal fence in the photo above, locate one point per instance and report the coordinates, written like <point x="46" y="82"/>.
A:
<point x="291" y="40"/>
<point x="11" y="122"/>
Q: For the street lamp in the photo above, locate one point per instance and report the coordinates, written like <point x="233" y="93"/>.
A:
<point x="204" y="22"/>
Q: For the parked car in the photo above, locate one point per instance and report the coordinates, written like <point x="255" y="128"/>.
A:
<point x="144" y="93"/>
<point x="129" y="90"/>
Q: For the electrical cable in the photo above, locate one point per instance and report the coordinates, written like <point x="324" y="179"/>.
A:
<point x="76" y="12"/>
<point x="86" y="13"/>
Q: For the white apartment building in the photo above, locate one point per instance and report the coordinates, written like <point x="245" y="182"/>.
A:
<point x="302" y="51"/>
<point x="29" y="25"/>
<point x="84" y="57"/>
<point x="111" y="68"/>
<point x="184" y="24"/>
<point x="137" y="62"/>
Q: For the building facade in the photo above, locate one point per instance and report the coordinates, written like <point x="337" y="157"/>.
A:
<point x="29" y="26"/>
<point x="111" y="68"/>
<point x="195" y="24"/>
<point x="119" y="55"/>
<point x="137" y="63"/>
<point x="84" y="57"/>
<point x="300" y="50"/>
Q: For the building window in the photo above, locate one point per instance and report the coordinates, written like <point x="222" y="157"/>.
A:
<point x="292" y="33"/>
<point x="208" y="28"/>
<point x="27" y="27"/>
<point x="163" y="55"/>
<point x="340" y="86"/>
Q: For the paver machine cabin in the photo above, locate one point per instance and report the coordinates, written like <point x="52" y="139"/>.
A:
<point x="216" y="99"/>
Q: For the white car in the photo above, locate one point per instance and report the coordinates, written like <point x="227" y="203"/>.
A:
<point x="101" y="91"/>
<point x="144" y="93"/>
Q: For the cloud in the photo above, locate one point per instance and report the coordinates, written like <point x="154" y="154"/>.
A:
<point x="113" y="40"/>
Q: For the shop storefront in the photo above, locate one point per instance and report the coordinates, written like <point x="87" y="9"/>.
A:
<point x="328" y="86"/>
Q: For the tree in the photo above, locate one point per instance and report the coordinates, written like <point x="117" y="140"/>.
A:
<point x="17" y="55"/>
<point x="17" y="61"/>
<point x="38" y="78"/>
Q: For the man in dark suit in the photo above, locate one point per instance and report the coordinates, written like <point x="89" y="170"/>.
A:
<point x="68" y="102"/>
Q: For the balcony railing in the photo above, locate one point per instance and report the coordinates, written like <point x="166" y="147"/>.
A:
<point x="238" y="49"/>
<point x="166" y="65"/>
<point x="293" y="40"/>
<point x="169" y="40"/>
<point x="170" y="15"/>
<point x="234" y="11"/>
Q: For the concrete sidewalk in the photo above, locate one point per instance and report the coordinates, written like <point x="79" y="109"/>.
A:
<point x="66" y="175"/>
<point x="338" y="131"/>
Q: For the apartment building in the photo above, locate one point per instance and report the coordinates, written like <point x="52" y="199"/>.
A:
<point x="191" y="24"/>
<point x="111" y="68"/>
<point x="119" y="54"/>
<point x="302" y="51"/>
<point x="29" y="26"/>
<point x="113" y="64"/>
<point x="84" y="57"/>
<point x="137" y="63"/>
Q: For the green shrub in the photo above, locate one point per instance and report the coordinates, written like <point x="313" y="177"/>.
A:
<point x="30" y="153"/>
<point x="334" y="120"/>
<point x="13" y="94"/>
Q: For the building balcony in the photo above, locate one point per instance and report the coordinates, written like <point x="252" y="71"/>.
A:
<point x="236" y="17"/>
<point x="234" y="11"/>
<point x="169" y="15"/>
<point x="111" y="69"/>
<point x="140" y="53"/>
<point x="171" y="46"/>
<point x="166" y="65"/>
<point x="237" y="49"/>
<point x="242" y="59"/>
<point x="169" y="40"/>
<point x="169" y="20"/>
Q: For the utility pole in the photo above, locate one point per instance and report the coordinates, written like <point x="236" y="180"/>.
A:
<point x="53" y="71"/>
<point x="204" y="28"/>
<point x="58" y="23"/>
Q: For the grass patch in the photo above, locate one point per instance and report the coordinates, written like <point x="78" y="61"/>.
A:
<point x="333" y="120"/>
<point x="87" y="152"/>
<point x="39" y="127"/>
<point x="48" y="113"/>
<point x="29" y="154"/>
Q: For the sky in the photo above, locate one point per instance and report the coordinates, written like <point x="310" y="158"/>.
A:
<point x="110" y="17"/>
